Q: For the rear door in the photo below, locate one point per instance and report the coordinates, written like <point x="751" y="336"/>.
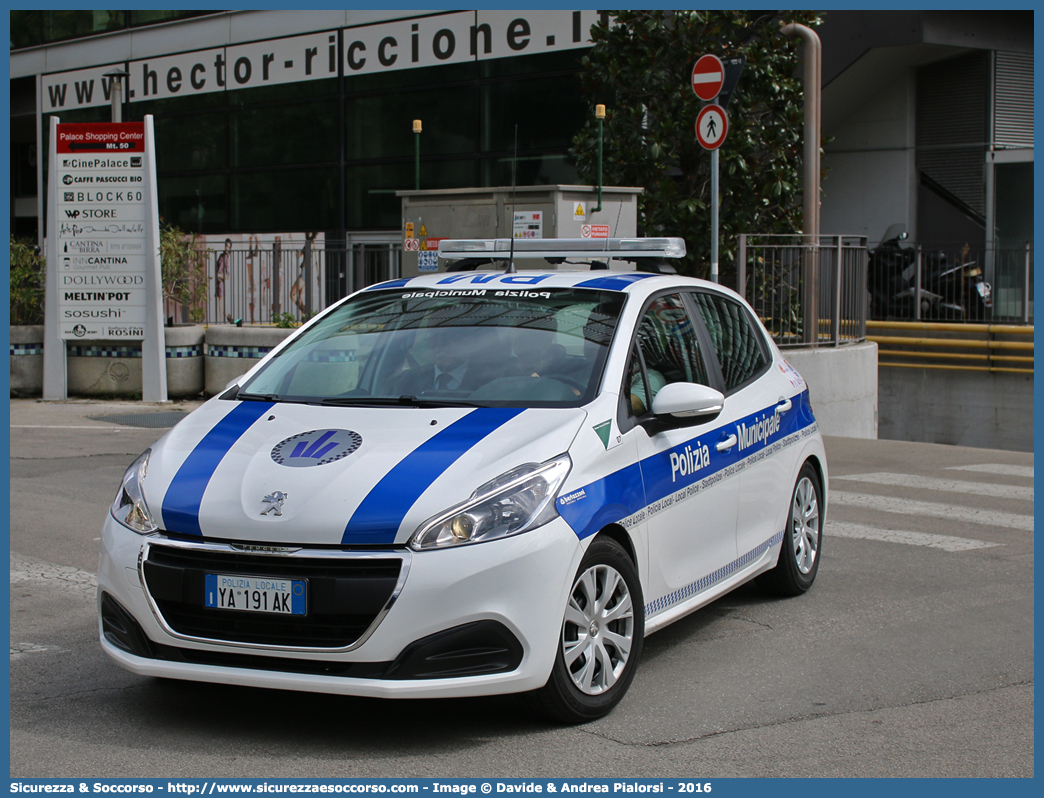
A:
<point x="765" y="428"/>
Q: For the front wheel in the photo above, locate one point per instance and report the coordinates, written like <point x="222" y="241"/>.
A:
<point x="802" y="540"/>
<point x="601" y="638"/>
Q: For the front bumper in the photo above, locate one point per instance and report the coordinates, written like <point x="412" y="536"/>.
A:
<point x="477" y="620"/>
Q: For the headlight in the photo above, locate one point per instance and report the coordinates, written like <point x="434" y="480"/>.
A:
<point x="515" y="502"/>
<point x="129" y="506"/>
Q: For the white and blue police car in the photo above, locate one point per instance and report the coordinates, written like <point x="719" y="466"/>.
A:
<point x="476" y="481"/>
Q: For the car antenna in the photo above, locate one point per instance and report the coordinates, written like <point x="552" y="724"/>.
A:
<point x="514" y="162"/>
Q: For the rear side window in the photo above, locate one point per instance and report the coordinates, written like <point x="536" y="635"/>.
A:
<point x="734" y="336"/>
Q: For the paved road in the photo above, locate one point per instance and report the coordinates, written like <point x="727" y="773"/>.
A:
<point x="911" y="656"/>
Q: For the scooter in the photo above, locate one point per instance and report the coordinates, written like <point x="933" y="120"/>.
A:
<point x="891" y="278"/>
<point x="965" y="286"/>
<point x="946" y="291"/>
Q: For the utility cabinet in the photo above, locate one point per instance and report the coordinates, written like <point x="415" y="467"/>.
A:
<point x="538" y="212"/>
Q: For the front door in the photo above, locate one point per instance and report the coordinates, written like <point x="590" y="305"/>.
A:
<point x="690" y="502"/>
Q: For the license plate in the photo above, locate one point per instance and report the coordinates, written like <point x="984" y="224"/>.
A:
<point x="255" y="594"/>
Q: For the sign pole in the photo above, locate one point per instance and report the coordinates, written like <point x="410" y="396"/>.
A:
<point x="714" y="81"/>
<point x="714" y="217"/>
<point x="153" y="347"/>
<point x="54" y="381"/>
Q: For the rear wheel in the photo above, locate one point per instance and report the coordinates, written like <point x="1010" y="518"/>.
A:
<point x="600" y="640"/>
<point x="802" y="541"/>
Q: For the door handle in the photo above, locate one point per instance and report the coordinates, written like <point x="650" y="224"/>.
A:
<point x="784" y="405"/>
<point x="727" y="443"/>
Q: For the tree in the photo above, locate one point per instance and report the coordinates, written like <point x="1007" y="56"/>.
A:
<point x="183" y="268"/>
<point x="640" y="67"/>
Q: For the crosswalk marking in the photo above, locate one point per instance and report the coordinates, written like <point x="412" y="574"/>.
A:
<point x="950" y="512"/>
<point x="963" y="487"/>
<point x="842" y="529"/>
<point x="996" y="468"/>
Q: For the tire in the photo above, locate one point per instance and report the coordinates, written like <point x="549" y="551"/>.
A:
<point x="601" y="638"/>
<point x="802" y="540"/>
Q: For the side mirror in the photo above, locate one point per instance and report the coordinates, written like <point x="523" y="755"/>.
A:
<point x="687" y="401"/>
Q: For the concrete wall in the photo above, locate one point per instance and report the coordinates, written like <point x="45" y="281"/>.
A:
<point x="965" y="408"/>
<point x="113" y="368"/>
<point x="26" y="360"/>
<point x="232" y="351"/>
<point x="842" y="384"/>
<point x="870" y="179"/>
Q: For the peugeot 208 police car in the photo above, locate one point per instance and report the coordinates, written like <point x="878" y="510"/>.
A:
<point x="472" y="482"/>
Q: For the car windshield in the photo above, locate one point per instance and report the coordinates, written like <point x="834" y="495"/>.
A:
<point x="453" y="347"/>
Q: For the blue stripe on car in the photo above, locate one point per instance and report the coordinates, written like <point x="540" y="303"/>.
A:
<point x="376" y="521"/>
<point x="185" y="493"/>
<point x="390" y="284"/>
<point x="617" y="282"/>
<point x="625" y="492"/>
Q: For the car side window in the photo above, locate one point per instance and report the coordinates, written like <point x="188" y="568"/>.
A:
<point x="734" y="337"/>
<point x="669" y="349"/>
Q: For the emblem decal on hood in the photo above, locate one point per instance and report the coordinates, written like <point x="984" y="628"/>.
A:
<point x="317" y="447"/>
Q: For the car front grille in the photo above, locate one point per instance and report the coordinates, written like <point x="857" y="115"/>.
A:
<point x="345" y="596"/>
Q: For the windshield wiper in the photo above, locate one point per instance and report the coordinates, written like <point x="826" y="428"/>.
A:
<point x="260" y="397"/>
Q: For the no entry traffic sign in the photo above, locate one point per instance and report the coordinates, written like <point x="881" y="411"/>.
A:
<point x="712" y="125"/>
<point x="707" y="77"/>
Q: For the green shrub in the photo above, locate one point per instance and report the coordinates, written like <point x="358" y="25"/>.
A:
<point x="27" y="282"/>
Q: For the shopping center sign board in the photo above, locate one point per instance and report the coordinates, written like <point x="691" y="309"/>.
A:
<point x="103" y="264"/>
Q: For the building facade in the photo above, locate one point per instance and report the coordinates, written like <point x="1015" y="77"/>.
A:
<point x="275" y="121"/>
<point x="302" y="121"/>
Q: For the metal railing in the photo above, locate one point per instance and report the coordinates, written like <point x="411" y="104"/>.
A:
<point x="955" y="284"/>
<point x="280" y="284"/>
<point x="953" y="347"/>
<point x="789" y="280"/>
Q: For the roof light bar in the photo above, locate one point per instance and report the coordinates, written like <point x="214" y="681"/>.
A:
<point x="454" y="249"/>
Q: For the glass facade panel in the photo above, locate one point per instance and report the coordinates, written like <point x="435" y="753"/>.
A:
<point x="1014" y="189"/>
<point x="195" y="204"/>
<point x="31" y="28"/>
<point x="152" y="17"/>
<point x="26" y="29"/>
<point x="191" y="142"/>
<point x="548" y="112"/>
<point x="68" y="24"/>
<point x="282" y="92"/>
<point x="396" y="80"/>
<point x="136" y="111"/>
<point x="563" y="61"/>
<point x="23" y="169"/>
<point x="381" y="125"/>
<point x="284" y="134"/>
<point x="284" y="200"/>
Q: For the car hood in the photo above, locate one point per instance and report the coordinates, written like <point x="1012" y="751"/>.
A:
<point x="291" y="474"/>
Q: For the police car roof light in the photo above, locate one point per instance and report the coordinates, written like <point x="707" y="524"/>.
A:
<point x="453" y="249"/>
